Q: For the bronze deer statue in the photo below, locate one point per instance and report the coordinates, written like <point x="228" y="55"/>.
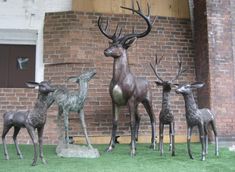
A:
<point x="125" y="88"/>
<point x="166" y="116"/>
<point x="31" y="120"/>
<point x="70" y="101"/>
<point x="201" y="118"/>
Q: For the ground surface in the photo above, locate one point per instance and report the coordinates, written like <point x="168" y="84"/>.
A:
<point x="119" y="160"/>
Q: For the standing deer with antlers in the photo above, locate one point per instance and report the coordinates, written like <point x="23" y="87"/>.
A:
<point x="125" y="88"/>
<point x="166" y="116"/>
<point x="201" y="118"/>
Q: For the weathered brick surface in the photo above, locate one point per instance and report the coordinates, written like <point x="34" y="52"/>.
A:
<point x="73" y="43"/>
<point x="214" y="23"/>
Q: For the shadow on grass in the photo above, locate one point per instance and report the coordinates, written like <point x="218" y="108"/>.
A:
<point x="120" y="161"/>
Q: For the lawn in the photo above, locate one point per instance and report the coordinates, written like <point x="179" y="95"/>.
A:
<point x="119" y="160"/>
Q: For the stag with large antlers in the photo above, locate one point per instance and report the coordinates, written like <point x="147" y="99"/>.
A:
<point x="125" y="88"/>
<point x="166" y="116"/>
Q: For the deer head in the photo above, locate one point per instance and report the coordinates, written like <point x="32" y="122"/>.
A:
<point x="119" y="43"/>
<point x="44" y="87"/>
<point x="85" y="76"/>
<point x="187" y="88"/>
<point x="167" y="84"/>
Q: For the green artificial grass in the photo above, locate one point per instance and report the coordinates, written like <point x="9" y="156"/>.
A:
<point x="119" y="160"/>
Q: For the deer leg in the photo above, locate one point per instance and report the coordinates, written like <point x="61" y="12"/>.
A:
<point x="189" y="133"/>
<point x="161" y="131"/>
<point x="31" y="132"/>
<point x="148" y="106"/>
<point x="172" y="129"/>
<point x="202" y="140"/>
<point x="16" y="132"/>
<point x="66" y="127"/>
<point x="170" y="137"/>
<point x="114" y="129"/>
<point x="206" y="138"/>
<point x="82" y="118"/>
<point x="60" y="124"/>
<point x="4" y="133"/>
<point x="216" y="138"/>
<point x="40" y="140"/>
<point x="131" y="106"/>
<point x="137" y="124"/>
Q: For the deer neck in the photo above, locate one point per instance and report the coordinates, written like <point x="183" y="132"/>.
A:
<point x="165" y="100"/>
<point x="41" y="104"/>
<point x="83" y="91"/>
<point x="190" y="104"/>
<point x="120" y="67"/>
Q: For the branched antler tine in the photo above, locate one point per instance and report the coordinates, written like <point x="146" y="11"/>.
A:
<point x="107" y="23"/>
<point x="115" y="33"/>
<point x="148" y="9"/>
<point x="147" y="20"/>
<point x="101" y="29"/>
<point x="180" y="69"/>
<point x="120" y="32"/>
<point x="138" y="5"/>
<point x="155" y="72"/>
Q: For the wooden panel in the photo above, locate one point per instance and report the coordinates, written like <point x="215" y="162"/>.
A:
<point x="168" y="8"/>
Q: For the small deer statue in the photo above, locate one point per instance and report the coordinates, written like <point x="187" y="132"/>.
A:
<point x="201" y="118"/>
<point x="125" y="88"/>
<point x="31" y="120"/>
<point x="74" y="102"/>
<point x="166" y="116"/>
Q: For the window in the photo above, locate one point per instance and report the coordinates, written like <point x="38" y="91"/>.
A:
<point x="17" y="65"/>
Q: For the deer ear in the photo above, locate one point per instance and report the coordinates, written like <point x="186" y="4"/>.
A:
<point x="175" y="85"/>
<point x="32" y="84"/>
<point x="129" y="42"/>
<point x="197" y="85"/>
<point x="73" y="79"/>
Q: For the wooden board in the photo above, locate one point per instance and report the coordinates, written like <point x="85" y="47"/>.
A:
<point x="168" y="8"/>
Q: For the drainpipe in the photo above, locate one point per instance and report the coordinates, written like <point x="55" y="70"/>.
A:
<point x="191" y="9"/>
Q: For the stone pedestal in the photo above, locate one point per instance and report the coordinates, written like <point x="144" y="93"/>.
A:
<point x="79" y="151"/>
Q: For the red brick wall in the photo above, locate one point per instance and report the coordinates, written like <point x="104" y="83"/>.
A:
<point x="221" y="59"/>
<point x="201" y="52"/>
<point x="74" y="38"/>
<point x="73" y="43"/>
<point x="214" y="59"/>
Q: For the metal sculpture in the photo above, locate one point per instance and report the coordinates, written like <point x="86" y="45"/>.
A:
<point x="166" y="116"/>
<point x="31" y="120"/>
<point x="74" y="102"/>
<point x="201" y="118"/>
<point x="125" y="88"/>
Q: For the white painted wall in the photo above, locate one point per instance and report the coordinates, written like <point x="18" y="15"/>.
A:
<point x="21" y="22"/>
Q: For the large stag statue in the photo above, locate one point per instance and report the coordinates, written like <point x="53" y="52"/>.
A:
<point x="125" y="88"/>
<point x="197" y="117"/>
<point x="31" y="120"/>
<point x="166" y="116"/>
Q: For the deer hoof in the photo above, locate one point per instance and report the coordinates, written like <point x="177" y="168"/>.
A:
<point x="7" y="157"/>
<point x="34" y="163"/>
<point x="133" y="153"/>
<point x="173" y="154"/>
<point x="109" y="149"/>
<point x="21" y="157"/>
<point x="153" y="146"/>
<point x="44" y="161"/>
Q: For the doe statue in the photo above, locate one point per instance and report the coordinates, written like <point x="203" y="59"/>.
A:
<point x="166" y="116"/>
<point x="201" y="118"/>
<point x="74" y="102"/>
<point x="125" y="88"/>
<point x="31" y="120"/>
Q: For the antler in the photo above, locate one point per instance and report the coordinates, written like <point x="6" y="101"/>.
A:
<point x="155" y="69"/>
<point x="180" y="69"/>
<point x="146" y="18"/>
<point x="113" y="37"/>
